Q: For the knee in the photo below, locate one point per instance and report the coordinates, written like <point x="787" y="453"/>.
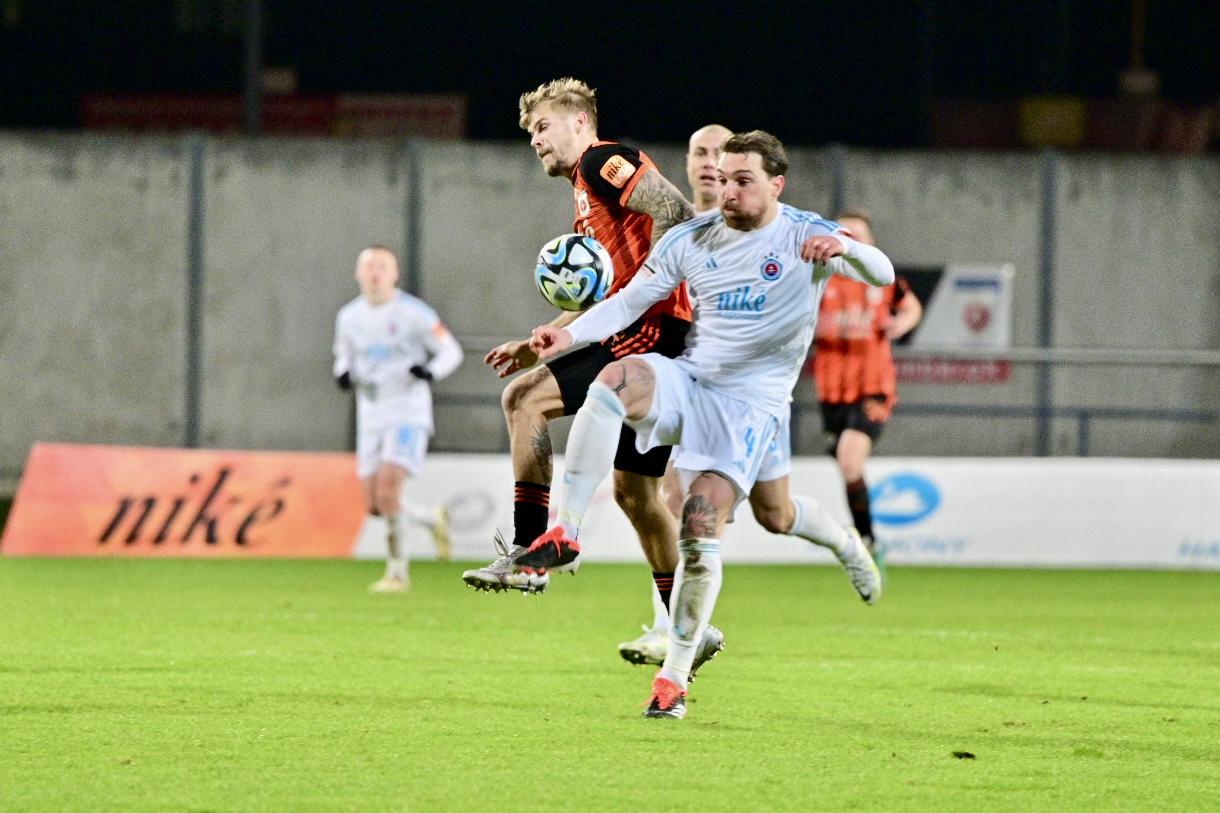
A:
<point x="516" y="397"/>
<point x="385" y="505"/>
<point x="615" y="375"/>
<point x="851" y="470"/>
<point x="385" y="498"/>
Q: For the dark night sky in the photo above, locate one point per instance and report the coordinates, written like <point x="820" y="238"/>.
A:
<point x="811" y="72"/>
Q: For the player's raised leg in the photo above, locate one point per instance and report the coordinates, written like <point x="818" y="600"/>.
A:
<point x="529" y="402"/>
<point x="805" y="517"/>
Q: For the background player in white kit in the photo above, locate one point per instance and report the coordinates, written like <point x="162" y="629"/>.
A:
<point x="390" y="346"/>
<point x="749" y="272"/>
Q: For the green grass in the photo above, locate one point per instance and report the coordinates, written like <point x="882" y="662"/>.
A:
<point x="284" y="686"/>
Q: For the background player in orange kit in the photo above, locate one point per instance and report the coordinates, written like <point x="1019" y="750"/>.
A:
<point x="855" y="370"/>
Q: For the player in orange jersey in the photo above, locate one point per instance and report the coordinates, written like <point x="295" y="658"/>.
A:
<point x="624" y="202"/>
<point x="854" y="369"/>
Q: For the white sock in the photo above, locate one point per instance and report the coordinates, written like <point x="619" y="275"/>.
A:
<point x="418" y="514"/>
<point x="696" y="586"/>
<point x="815" y="524"/>
<point x="396" y="561"/>
<point x="660" y="615"/>
<point x="592" y="444"/>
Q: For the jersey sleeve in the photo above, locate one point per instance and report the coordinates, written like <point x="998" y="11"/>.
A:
<point x="611" y="171"/>
<point x="656" y="279"/>
<point x="861" y="262"/>
<point x="343" y="350"/>
<point x="446" y="354"/>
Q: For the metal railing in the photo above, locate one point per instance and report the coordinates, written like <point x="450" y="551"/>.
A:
<point x="1042" y="413"/>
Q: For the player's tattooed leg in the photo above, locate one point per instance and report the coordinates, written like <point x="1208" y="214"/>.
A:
<point x="698" y="518"/>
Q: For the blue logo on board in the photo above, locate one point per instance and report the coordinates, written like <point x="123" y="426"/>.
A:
<point x="904" y="498"/>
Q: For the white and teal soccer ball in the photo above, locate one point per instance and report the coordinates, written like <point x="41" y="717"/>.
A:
<point x="574" y="272"/>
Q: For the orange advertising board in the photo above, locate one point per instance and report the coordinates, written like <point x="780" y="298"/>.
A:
<point x="78" y="500"/>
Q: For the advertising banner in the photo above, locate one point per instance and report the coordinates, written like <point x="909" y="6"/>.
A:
<point x="77" y="500"/>
<point x="990" y="512"/>
<point x="1058" y="512"/>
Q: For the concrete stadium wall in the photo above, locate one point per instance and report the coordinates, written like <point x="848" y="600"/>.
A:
<point x="93" y="235"/>
<point x="283" y="223"/>
<point x="93" y="282"/>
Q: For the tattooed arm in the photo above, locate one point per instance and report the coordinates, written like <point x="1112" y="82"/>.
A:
<point x="655" y="196"/>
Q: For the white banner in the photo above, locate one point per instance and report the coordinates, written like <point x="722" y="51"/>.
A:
<point x="1067" y="512"/>
<point x="971" y="307"/>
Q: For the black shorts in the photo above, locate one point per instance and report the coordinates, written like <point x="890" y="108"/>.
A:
<point x="837" y="417"/>
<point x="575" y="371"/>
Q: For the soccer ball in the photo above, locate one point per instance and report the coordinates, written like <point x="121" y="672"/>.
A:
<point x="574" y="272"/>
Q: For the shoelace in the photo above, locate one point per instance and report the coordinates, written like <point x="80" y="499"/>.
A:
<point x="506" y="555"/>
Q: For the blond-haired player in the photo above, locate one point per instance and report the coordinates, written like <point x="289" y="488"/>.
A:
<point x="390" y="347"/>
<point x="622" y="200"/>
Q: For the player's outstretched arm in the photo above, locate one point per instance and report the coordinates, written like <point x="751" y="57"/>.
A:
<point x="512" y="357"/>
<point x="657" y="197"/>
<point x="906" y="317"/>
<point x="843" y="255"/>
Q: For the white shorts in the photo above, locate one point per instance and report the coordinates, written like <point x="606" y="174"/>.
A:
<point x="389" y="441"/>
<point x="716" y="432"/>
<point x="778" y="462"/>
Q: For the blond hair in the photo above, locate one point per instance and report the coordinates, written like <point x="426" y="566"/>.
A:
<point x="568" y="95"/>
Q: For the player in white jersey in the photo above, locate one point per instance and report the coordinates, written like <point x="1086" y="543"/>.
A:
<point x="749" y="271"/>
<point x="390" y="346"/>
<point x="769" y="499"/>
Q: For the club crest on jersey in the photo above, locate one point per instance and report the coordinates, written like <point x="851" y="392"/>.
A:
<point x="617" y="170"/>
<point x="771" y="268"/>
<point x="582" y="203"/>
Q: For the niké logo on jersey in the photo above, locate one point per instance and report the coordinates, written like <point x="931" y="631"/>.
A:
<point x="378" y="352"/>
<point x="741" y="303"/>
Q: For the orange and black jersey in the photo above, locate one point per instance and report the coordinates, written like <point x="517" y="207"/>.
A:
<point x="852" y="359"/>
<point x="605" y="177"/>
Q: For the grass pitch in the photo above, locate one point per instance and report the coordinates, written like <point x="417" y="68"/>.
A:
<point x="284" y="686"/>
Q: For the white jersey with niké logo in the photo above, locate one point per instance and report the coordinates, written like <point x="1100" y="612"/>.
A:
<point x="379" y="344"/>
<point x="755" y="300"/>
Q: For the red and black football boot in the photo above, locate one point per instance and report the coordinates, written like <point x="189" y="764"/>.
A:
<point x="667" y="700"/>
<point x="551" y="553"/>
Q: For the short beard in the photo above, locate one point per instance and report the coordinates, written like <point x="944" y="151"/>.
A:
<point x="557" y="170"/>
<point x="742" y="222"/>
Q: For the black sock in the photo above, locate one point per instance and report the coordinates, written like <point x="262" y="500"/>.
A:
<point x="665" y="586"/>
<point x="857" y="501"/>
<point x="531" y="506"/>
